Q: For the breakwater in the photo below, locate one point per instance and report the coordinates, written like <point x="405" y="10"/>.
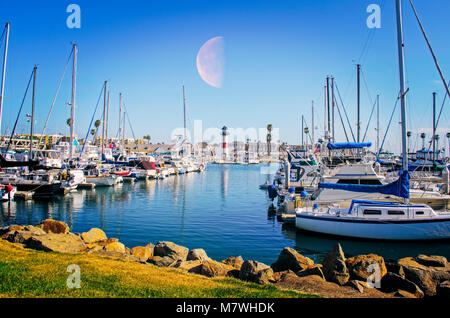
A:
<point x="337" y="276"/>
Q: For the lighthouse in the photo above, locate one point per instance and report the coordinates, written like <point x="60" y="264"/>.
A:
<point x="225" y="143"/>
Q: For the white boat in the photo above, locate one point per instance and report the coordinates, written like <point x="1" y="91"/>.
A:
<point x="376" y="219"/>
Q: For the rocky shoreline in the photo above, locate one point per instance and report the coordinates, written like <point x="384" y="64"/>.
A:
<point x="411" y="277"/>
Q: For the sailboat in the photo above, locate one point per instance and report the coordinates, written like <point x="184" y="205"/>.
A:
<point x="376" y="219"/>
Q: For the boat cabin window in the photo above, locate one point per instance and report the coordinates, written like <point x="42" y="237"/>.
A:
<point x="347" y="181"/>
<point x="372" y="212"/>
<point x="420" y="213"/>
<point x="371" y="182"/>
<point x="396" y="213"/>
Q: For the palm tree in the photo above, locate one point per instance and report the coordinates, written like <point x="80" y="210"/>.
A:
<point x="408" y="134"/>
<point x="148" y="138"/>
<point x="423" y="136"/>
<point x="269" y="138"/>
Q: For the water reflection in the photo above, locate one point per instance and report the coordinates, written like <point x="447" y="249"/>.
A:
<point x="221" y="210"/>
<point x="224" y="182"/>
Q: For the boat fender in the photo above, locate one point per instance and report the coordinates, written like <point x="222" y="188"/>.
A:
<point x="272" y="191"/>
<point x="298" y="203"/>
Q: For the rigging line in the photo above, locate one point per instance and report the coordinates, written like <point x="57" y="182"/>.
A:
<point x="367" y="86"/>
<point x="430" y="48"/>
<point x="345" y="111"/>
<point x="442" y="107"/>
<point x="20" y="110"/>
<point x="389" y="124"/>
<point x="370" y="118"/>
<point x="92" y="119"/>
<point x="57" y="92"/>
<point x="342" y="121"/>
<point x="3" y="34"/>
<point x="129" y="123"/>
<point x="366" y="45"/>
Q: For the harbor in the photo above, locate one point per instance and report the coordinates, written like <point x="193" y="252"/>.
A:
<point x="298" y="183"/>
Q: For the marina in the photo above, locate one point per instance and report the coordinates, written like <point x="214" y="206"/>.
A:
<point x="178" y="209"/>
<point x="143" y="153"/>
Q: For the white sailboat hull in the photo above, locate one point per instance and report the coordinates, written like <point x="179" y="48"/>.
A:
<point x="415" y="229"/>
<point x="101" y="181"/>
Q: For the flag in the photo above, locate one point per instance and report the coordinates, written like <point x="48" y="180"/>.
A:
<point x="317" y="149"/>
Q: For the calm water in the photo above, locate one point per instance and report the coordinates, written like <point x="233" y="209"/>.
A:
<point x="221" y="210"/>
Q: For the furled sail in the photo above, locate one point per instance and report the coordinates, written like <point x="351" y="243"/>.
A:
<point x="399" y="188"/>
<point x="349" y="145"/>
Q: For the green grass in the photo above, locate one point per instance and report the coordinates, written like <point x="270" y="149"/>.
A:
<point x="29" y="273"/>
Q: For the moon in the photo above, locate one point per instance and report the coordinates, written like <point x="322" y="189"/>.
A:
<point x="211" y="61"/>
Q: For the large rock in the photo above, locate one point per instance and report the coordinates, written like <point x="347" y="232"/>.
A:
<point x="143" y="252"/>
<point x="435" y="261"/>
<point x="443" y="289"/>
<point x="256" y="272"/>
<point x="290" y="259"/>
<point x="172" y="250"/>
<point x="358" y="285"/>
<point x="313" y="270"/>
<point x="361" y="267"/>
<point x="63" y="243"/>
<point x="115" y="247"/>
<point x="197" y="255"/>
<point x="393" y="282"/>
<point x="334" y="267"/>
<point x="396" y="269"/>
<point x="93" y="235"/>
<point x="5" y="231"/>
<point x="211" y="268"/>
<point x="426" y="277"/>
<point x="234" y="261"/>
<point x="187" y="265"/>
<point x="52" y="226"/>
<point x="161" y="261"/>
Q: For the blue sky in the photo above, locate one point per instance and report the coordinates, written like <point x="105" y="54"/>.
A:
<point x="277" y="55"/>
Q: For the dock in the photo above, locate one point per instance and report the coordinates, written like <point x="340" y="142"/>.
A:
<point x="23" y="195"/>
<point x="86" y="186"/>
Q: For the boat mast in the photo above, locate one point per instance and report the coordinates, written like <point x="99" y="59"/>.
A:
<point x="312" y="122"/>
<point x="401" y="60"/>
<point x="332" y="109"/>
<point x="328" y="108"/>
<point x="107" y="119"/>
<point x="4" y="73"/>
<point x="184" y="110"/>
<point x="358" y="101"/>
<point x="32" y="113"/>
<point x="433" y="139"/>
<point x="120" y="118"/>
<point x="123" y="131"/>
<point x="325" y="112"/>
<point x="378" y="122"/>
<point x="104" y="118"/>
<point x="72" y="103"/>
<point x="303" y="143"/>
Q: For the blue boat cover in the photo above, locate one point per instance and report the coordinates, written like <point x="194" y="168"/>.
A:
<point x="399" y="188"/>
<point x="349" y="145"/>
